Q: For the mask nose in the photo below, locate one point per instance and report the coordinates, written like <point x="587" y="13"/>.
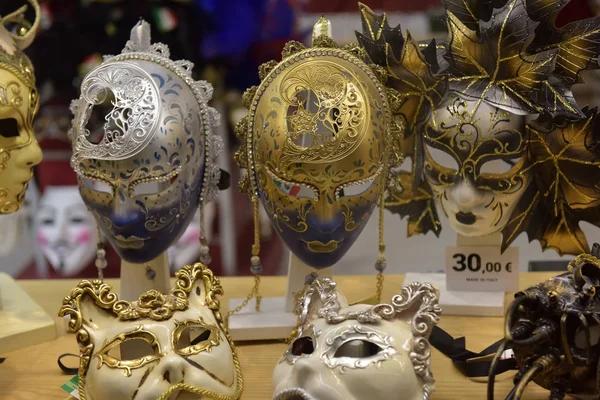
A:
<point x="125" y="212"/>
<point x="306" y="371"/>
<point x="29" y="156"/>
<point x="465" y="195"/>
<point x="325" y="218"/>
<point x="172" y="369"/>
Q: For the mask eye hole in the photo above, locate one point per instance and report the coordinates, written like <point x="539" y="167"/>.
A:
<point x="154" y="187"/>
<point x="134" y="349"/>
<point x="295" y="190"/>
<point x="357" y="349"/>
<point x="355" y="189"/>
<point x="441" y="158"/>
<point x="303" y="345"/>
<point x="9" y="128"/>
<point x="97" y="185"/>
<point x="498" y="166"/>
<point x="193" y="337"/>
<point x="130" y="350"/>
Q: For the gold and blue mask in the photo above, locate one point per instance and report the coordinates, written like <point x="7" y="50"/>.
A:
<point x="316" y="146"/>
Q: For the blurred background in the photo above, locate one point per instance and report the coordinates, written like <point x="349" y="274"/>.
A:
<point x="54" y="235"/>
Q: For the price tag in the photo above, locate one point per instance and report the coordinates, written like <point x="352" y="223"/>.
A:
<point x="482" y="269"/>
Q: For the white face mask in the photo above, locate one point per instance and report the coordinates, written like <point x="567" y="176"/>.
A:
<point x="360" y="352"/>
<point x="66" y="230"/>
<point x="473" y="162"/>
<point x="177" y="342"/>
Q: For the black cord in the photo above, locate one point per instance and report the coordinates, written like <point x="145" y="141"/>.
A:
<point x="65" y="369"/>
<point x="455" y="349"/>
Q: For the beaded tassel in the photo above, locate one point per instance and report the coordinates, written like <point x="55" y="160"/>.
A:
<point x="101" y="262"/>
<point x="204" y="249"/>
<point x="381" y="262"/>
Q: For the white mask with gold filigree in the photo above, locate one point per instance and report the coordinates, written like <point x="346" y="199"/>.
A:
<point x="360" y="352"/>
<point x="156" y="347"/>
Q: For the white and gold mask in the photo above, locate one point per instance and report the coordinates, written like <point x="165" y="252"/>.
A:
<point x="360" y="352"/>
<point x="181" y="343"/>
<point x="474" y="163"/>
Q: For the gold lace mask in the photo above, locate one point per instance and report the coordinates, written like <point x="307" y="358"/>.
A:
<point x="19" y="150"/>
<point x="317" y="147"/>
<point x="157" y="346"/>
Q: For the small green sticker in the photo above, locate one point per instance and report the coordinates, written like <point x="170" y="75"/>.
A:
<point x="71" y="386"/>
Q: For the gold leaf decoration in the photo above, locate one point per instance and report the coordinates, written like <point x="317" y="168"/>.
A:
<point x="418" y="205"/>
<point x="564" y="161"/>
<point x="578" y="42"/>
<point x="494" y="65"/>
<point x="409" y="68"/>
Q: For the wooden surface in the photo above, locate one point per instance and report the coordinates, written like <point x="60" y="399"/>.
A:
<point x="22" y="321"/>
<point x="32" y="373"/>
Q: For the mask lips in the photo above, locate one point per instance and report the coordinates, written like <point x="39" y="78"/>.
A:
<point x="293" y="394"/>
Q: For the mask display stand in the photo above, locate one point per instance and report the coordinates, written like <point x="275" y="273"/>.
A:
<point x="22" y="321"/>
<point x="276" y="318"/>
<point x="482" y="304"/>
<point x="137" y="279"/>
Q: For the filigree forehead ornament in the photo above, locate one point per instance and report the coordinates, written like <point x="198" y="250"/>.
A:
<point x="151" y="304"/>
<point x="137" y="106"/>
<point x="420" y="298"/>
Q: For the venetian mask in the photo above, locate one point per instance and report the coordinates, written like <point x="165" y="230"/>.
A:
<point x="315" y="146"/>
<point x="66" y="231"/>
<point x="469" y="103"/>
<point x="474" y="163"/>
<point x="146" y="171"/>
<point x="360" y="352"/>
<point x="19" y="150"/>
<point x="156" y="347"/>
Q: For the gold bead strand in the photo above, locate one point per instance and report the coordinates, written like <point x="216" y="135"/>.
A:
<point x="381" y="262"/>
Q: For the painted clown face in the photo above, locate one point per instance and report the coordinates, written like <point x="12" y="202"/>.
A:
<point x="156" y="347"/>
<point x="359" y="352"/>
<point x="66" y="230"/>
<point x="474" y="162"/>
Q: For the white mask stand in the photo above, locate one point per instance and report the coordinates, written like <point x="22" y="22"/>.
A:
<point x="484" y="304"/>
<point x="276" y="318"/>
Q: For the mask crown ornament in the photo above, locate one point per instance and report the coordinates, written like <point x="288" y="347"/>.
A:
<point x="189" y="347"/>
<point x="150" y="160"/>
<point x="19" y="103"/>
<point x="317" y="145"/>
<point x="354" y="348"/>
